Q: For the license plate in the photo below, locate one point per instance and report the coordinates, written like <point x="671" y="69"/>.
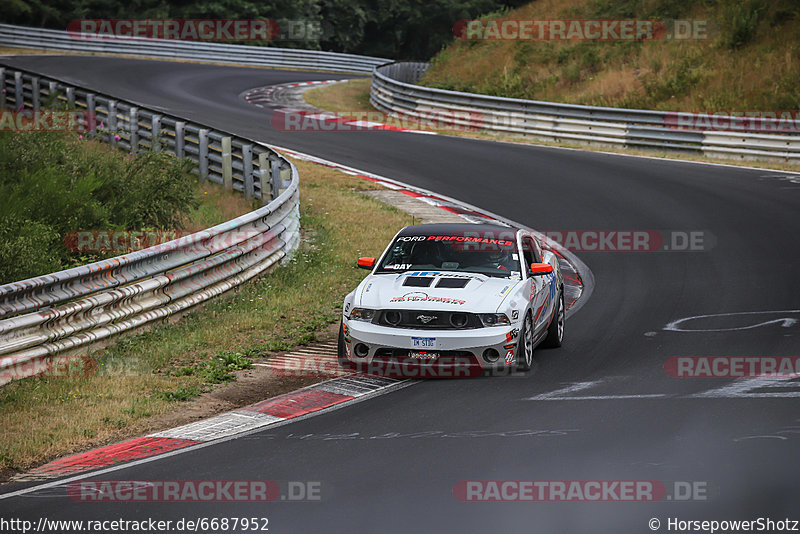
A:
<point x="423" y="355"/>
<point x="423" y="342"/>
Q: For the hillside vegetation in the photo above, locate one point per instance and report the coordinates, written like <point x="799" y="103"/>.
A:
<point x="749" y="61"/>
<point x="398" y="29"/>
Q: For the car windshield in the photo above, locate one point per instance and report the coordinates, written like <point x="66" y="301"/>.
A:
<point x="458" y="253"/>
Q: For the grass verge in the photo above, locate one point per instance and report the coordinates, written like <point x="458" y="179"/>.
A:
<point x="352" y="95"/>
<point x="144" y="380"/>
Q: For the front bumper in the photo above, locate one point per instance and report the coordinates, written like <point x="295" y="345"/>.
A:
<point x="453" y="353"/>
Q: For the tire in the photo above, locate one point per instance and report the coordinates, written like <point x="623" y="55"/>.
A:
<point x="555" y="332"/>
<point x="341" y="352"/>
<point x="525" y="345"/>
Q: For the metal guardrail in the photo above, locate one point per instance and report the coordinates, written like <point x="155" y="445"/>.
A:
<point x="394" y="91"/>
<point x="38" y="38"/>
<point x="63" y="313"/>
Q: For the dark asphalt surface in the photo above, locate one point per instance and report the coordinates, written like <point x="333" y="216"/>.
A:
<point x="390" y="464"/>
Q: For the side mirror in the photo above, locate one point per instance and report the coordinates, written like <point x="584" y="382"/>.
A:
<point x="538" y="269"/>
<point x="366" y="263"/>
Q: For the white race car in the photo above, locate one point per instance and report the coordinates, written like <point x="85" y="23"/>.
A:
<point x="453" y="300"/>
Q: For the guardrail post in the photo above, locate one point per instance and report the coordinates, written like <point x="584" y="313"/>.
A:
<point x="52" y="89"/>
<point x="180" y="126"/>
<point x="275" y="179"/>
<point x="133" y="120"/>
<point x="71" y="97"/>
<point x="286" y="171"/>
<point x="263" y="176"/>
<point x="19" y="100"/>
<point x="155" y="139"/>
<point x="35" y="92"/>
<point x="4" y="87"/>
<point x="91" y="108"/>
<point x="247" y="169"/>
<point x="227" y="169"/>
<point x="202" y="136"/>
<point x="112" y="123"/>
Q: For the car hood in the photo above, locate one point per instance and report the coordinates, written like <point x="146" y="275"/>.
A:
<point x="422" y="290"/>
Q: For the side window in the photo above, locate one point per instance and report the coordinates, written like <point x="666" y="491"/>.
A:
<point x="538" y="250"/>
<point x="529" y="251"/>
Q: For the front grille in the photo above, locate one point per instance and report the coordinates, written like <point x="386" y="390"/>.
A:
<point x="426" y="319"/>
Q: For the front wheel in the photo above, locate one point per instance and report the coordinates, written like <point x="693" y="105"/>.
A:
<point x="555" y="332"/>
<point x="525" y="345"/>
<point x="341" y="351"/>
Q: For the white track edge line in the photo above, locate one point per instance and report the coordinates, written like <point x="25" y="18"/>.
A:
<point x="89" y="474"/>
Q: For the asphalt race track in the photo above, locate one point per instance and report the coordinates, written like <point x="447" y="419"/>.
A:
<point x="600" y="408"/>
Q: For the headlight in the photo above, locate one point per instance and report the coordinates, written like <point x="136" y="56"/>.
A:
<point x="494" y="319"/>
<point x="361" y="314"/>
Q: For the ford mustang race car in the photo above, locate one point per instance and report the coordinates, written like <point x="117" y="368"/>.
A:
<point x="453" y="300"/>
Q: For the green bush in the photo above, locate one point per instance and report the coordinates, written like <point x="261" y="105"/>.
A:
<point x="54" y="183"/>
<point x="235" y="361"/>
<point x="153" y="190"/>
<point x="26" y="246"/>
<point x="740" y="22"/>
<point x="679" y="81"/>
<point x="182" y="394"/>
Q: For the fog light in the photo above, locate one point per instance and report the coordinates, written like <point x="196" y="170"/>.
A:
<point x="491" y="355"/>
<point x="362" y="350"/>
<point x="393" y="317"/>
<point x="458" y="320"/>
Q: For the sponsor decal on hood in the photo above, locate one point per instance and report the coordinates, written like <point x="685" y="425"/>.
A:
<point x="417" y="296"/>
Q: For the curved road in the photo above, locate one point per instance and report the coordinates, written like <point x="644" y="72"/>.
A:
<point x="600" y="408"/>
